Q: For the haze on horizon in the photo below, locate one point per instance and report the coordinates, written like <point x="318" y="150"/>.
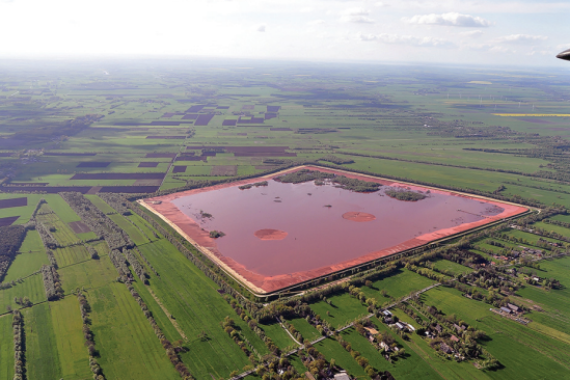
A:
<point x="518" y="33"/>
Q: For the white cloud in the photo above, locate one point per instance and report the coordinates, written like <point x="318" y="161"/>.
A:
<point x="472" y="33"/>
<point x="261" y="28"/>
<point x="521" y="39"/>
<point x="357" y="15"/>
<point x="399" y="39"/>
<point x="316" y="22"/>
<point x="449" y="19"/>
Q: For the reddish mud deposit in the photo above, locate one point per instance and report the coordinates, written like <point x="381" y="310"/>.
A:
<point x="320" y="240"/>
<point x="269" y="234"/>
<point x="358" y="216"/>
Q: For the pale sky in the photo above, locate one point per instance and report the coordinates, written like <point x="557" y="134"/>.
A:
<point x="523" y="32"/>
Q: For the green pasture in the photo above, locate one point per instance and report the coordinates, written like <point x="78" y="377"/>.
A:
<point x="42" y="354"/>
<point x="452" y="267"/>
<point x="398" y="284"/>
<point x="450" y="301"/>
<point x="555" y="303"/>
<point x="127" y="344"/>
<point x="278" y="335"/>
<point x="191" y="298"/>
<point x="88" y="275"/>
<point x="134" y="233"/>
<point x="6" y="348"/>
<point x="331" y="349"/>
<point x="342" y="310"/>
<point x="307" y="330"/>
<point x="67" y="327"/>
<point x="31" y="287"/>
<point x="100" y="204"/>
<point x="553" y="228"/>
<point x="71" y="255"/>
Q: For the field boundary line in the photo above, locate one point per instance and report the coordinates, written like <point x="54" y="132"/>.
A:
<point x="168" y="315"/>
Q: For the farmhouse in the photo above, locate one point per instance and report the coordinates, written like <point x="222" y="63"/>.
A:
<point x="514" y="308"/>
<point x="445" y="348"/>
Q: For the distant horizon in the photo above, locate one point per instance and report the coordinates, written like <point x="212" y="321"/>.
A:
<point x="501" y="32"/>
<point x="141" y="58"/>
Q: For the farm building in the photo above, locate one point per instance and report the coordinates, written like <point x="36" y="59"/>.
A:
<point x="514" y="308"/>
<point x="506" y="310"/>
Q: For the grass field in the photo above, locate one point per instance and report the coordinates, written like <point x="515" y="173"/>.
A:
<point x="343" y="309"/>
<point x="399" y="284"/>
<point x="31" y="258"/>
<point x="450" y="301"/>
<point x="128" y="347"/>
<point x="71" y="255"/>
<point x="90" y="275"/>
<point x="6" y="348"/>
<point x="42" y="355"/>
<point x="31" y="287"/>
<point x="100" y="204"/>
<point x="452" y="267"/>
<point x="305" y="328"/>
<point x="556" y="302"/>
<point x="134" y="233"/>
<point x="192" y="299"/>
<point x="67" y="326"/>
<point x="333" y="350"/>
<point x="278" y="335"/>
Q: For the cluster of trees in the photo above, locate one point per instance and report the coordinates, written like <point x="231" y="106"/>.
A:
<point x="403" y="195"/>
<point x="134" y="262"/>
<point x="336" y="160"/>
<point x="252" y="324"/>
<point x="38" y="206"/>
<point x="52" y="284"/>
<point x="274" y="368"/>
<point x="117" y="202"/>
<point x="171" y="351"/>
<point x="305" y="175"/>
<point x="47" y="238"/>
<point x="250" y="185"/>
<point x="427" y="272"/>
<point x="228" y="325"/>
<point x="120" y="263"/>
<point x="468" y="337"/>
<point x="88" y="336"/>
<point x="99" y="223"/>
<point x="51" y="258"/>
<point x="360" y="359"/>
<point x="491" y="278"/>
<point x="23" y="301"/>
<point x="316" y="363"/>
<point x="93" y="252"/>
<point x="216" y="234"/>
<point x="11" y="238"/>
<point x="19" y="345"/>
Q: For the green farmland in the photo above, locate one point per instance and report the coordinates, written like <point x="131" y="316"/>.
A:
<point x="113" y="133"/>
